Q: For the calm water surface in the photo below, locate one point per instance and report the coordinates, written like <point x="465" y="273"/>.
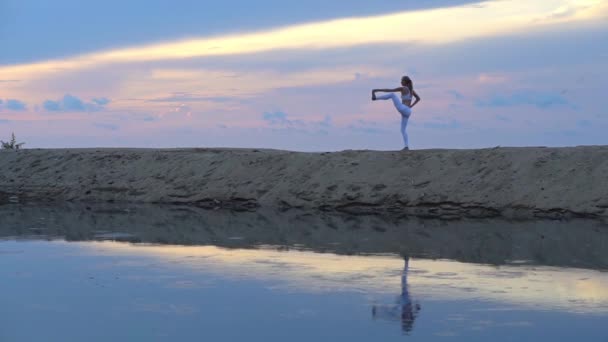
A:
<point x="167" y="273"/>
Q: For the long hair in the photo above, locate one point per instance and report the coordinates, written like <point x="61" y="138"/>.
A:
<point x="407" y="81"/>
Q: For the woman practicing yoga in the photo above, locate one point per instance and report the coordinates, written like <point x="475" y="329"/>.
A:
<point x="404" y="104"/>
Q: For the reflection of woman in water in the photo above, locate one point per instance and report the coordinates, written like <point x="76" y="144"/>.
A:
<point x="406" y="310"/>
<point x="403" y="104"/>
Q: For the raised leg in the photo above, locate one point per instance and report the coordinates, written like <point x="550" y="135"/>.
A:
<point x="401" y="108"/>
<point x="392" y="96"/>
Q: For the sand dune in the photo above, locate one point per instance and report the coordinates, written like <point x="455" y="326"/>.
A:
<point x="511" y="182"/>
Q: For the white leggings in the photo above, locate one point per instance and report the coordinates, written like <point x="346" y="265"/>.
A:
<point x="401" y="108"/>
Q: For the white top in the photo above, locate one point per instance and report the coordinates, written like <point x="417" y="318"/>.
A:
<point x="407" y="96"/>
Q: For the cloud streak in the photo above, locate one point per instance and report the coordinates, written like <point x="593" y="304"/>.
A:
<point x="15" y="105"/>
<point x="542" y="100"/>
<point x="107" y="126"/>
<point x="280" y="120"/>
<point x="70" y="103"/>
<point x="434" y="26"/>
<point x="36" y="36"/>
<point x="368" y="127"/>
<point x="187" y="97"/>
<point x="102" y="101"/>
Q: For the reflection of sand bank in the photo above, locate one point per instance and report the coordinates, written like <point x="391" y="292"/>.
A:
<point x="580" y="244"/>
<point x="543" y="288"/>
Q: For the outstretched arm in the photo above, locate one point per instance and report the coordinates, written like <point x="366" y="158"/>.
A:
<point x="416" y="97"/>
<point x="389" y="90"/>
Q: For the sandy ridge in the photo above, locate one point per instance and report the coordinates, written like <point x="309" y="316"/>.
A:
<point x="526" y="182"/>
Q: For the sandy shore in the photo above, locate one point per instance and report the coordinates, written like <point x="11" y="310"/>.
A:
<point x="510" y="182"/>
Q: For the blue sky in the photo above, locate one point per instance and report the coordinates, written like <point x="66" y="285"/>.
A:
<point x="298" y="76"/>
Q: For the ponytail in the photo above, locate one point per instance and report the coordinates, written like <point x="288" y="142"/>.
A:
<point x="408" y="83"/>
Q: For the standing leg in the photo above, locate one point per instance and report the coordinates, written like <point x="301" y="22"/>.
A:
<point x="403" y="131"/>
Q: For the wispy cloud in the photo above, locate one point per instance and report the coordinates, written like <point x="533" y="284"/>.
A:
<point x="187" y="97"/>
<point x="102" y="101"/>
<point x="181" y="109"/>
<point x="502" y="118"/>
<point x="584" y="123"/>
<point x="15" y="105"/>
<point x="538" y="99"/>
<point x="51" y="106"/>
<point x="434" y="26"/>
<point x="107" y="126"/>
<point x="70" y="103"/>
<point x="491" y="78"/>
<point x="443" y="124"/>
<point x="367" y="127"/>
<point x="37" y="34"/>
<point x="149" y="118"/>
<point x="572" y="9"/>
<point x="280" y="120"/>
<point x="456" y="94"/>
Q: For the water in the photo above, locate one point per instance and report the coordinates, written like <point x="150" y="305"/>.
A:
<point x="167" y="273"/>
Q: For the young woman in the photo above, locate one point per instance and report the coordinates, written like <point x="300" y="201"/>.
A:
<point x="403" y="105"/>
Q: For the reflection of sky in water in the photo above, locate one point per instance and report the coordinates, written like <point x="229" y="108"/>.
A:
<point x="82" y="291"/>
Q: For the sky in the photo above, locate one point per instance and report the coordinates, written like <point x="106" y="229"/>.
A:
<point x="298" y="75"/>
